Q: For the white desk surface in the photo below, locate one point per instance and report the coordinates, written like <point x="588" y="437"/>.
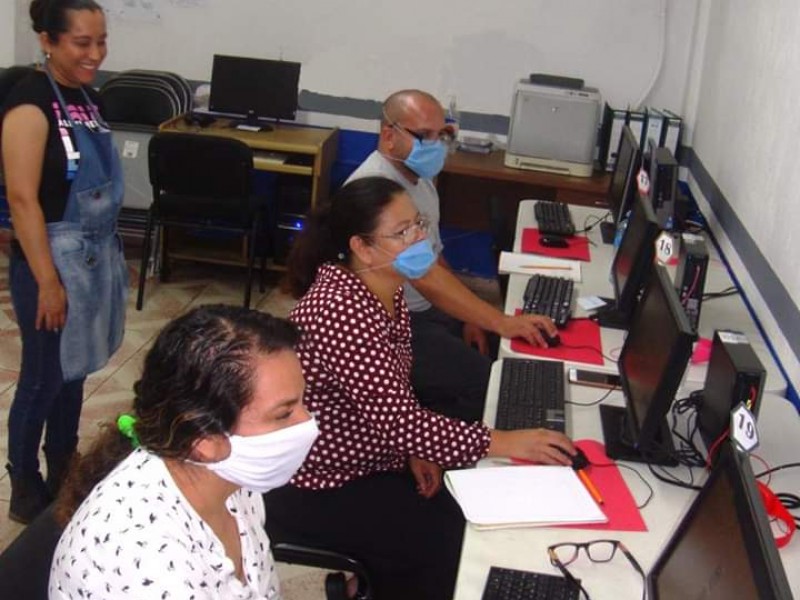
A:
<point x="720" y="313"/>
<point x="526" y="548"/>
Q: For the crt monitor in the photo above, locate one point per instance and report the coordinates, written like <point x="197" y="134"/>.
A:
<point x="623" y="182"/>
<point x="632" y="265"/>
<point x="254" y="88"/>
<point x="651" y="366"/>
<point x="723" y="547"/>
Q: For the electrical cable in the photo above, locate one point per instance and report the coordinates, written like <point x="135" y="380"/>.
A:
<point x="593" y="402"/>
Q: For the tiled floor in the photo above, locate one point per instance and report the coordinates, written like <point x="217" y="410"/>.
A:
<point x="108" y="392"/>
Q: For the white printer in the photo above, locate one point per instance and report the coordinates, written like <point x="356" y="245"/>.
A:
<point x="553" y="129"/>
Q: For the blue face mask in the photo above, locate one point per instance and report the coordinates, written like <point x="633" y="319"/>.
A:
<point x="426" y="159"/>
<point x="416" y="260"/>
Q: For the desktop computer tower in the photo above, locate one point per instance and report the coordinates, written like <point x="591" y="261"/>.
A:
<point x="690" y="276"/>
<point x="288" y="213"/>
<point x="287" y="228"/>
<point x="663" y="186"/>
<point x="735" y="375"/>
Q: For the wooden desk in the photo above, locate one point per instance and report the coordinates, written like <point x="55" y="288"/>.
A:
<point x="310" y="151"/>
<point x="469" y="180"/>
<point x="306" y="157"/>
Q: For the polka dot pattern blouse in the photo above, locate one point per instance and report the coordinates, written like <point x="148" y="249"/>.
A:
<point x="357" y="362"/>
<point x="136" y="536"/>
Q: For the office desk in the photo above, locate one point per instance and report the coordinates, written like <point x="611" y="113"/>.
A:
<point x="526" y="548"/>
<point x="728" y="312"/>
<point x="468" y="180"/>
<point x="301" y="156"/>
<point x="310" y="151"/>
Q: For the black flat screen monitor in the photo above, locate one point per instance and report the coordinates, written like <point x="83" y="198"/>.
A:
<point x="632" y="265"/>
<point x="254" y="88"/>
<point x="723" y="547"/>
<point x="651" y="365"/>
<point x="623" y="182"/>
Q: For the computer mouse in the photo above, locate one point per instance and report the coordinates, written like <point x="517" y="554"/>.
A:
<point x="579" y="461"/>
<point x="552" y="341"/>
<point x="550" y="240"/>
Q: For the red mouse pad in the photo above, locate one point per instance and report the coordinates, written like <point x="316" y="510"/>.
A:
<point x="618" y="503"/>
<point x="580" y="342"/>
<point x="577" y="249"/>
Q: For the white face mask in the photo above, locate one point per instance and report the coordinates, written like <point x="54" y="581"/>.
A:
<point x="264" y="462"/>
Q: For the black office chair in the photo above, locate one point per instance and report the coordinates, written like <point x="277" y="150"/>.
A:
<point x="201" y="182"/>
<point x="25" y="564"/>
<point x="335" y="583"/>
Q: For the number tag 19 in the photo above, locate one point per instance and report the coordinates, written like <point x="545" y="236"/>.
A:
<point x="743" y="429"/>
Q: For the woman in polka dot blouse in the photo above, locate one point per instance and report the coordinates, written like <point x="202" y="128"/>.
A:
<point x="371" y="484"/>
<point x="217" y="420"/>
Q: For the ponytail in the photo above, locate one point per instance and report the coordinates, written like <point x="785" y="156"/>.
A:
<point x="353" y="210"/>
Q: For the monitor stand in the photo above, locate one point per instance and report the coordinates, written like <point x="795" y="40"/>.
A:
<point x="610" y="316"/>
<point x="252" y="123"/>
<point x="618" y="447"/>
<point x="608" y="231"/>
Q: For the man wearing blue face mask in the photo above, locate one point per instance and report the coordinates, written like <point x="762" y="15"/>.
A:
<point x="451" y="352"/>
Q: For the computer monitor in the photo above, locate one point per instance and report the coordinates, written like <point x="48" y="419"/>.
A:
<point x="254" y="88"/>
<point x="723" y="547"/>
<point x="651" y="366"/>
<point x="663" y="185"/>
<point x="631" y="266"/>
<point x="623" y="182"/>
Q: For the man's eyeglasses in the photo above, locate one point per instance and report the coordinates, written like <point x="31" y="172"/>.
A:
<point x="409" y="234"/>
<point x="598" y="551"/>
<point x="445" y="135"/>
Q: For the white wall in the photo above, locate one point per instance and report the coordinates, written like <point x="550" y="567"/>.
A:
<point x="746" y="132"/>
<point x="368" y="48"/>
<point x="7" y="21"/>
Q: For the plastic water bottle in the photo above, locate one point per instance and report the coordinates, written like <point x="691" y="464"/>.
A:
<point x="451" y="119"/>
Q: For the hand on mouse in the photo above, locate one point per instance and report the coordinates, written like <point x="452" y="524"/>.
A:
<point x="536" y="445"/>
<point x="528" y="327"/>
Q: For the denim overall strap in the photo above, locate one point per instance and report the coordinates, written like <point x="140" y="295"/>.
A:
<point x="88" y="253"/>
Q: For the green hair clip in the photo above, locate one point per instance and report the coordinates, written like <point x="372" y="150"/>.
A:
<point x="125" y="425"/>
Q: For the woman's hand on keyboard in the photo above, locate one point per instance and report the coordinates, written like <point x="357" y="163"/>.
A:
<point x="532" y="328"/>
<point x="535" y="445"/>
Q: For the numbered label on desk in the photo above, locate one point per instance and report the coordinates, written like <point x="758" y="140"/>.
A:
<point x="665" y="247"/>
<point x="743" y="428"/>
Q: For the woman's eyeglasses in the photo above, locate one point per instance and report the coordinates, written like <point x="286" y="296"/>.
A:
<point x="598" y="551"/>
<point x="409" y="234"/>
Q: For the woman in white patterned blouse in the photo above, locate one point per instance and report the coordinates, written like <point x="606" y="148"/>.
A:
<point x="217" y="420"/>
<point x="371" y="483"/>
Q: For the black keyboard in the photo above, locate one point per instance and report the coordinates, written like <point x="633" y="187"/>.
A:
<point x="551" y="296"/>
<point x="531" y="395"/>
<point x="553" y="217"/>
<point x="511" y="584"/>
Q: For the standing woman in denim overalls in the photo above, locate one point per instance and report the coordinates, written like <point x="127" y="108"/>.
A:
<point x="67" y="271"/>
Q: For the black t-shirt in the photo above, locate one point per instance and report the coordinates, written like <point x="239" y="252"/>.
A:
<point x="35" y="89"/>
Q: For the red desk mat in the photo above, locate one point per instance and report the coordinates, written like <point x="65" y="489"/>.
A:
<point x="619" y="504"/>
<point x="580" y="342"/>
<point x="578" y="248"/>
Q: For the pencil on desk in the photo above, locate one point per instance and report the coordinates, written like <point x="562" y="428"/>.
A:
<point x="551" y="267"/>
<point x="590" y="486"/>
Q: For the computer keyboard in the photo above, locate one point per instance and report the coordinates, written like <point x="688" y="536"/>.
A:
<point x="553" y="217"/>
<point x="512" y="584"/>
<point x="531" y="395"/>
<point x="551" y="296"/>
